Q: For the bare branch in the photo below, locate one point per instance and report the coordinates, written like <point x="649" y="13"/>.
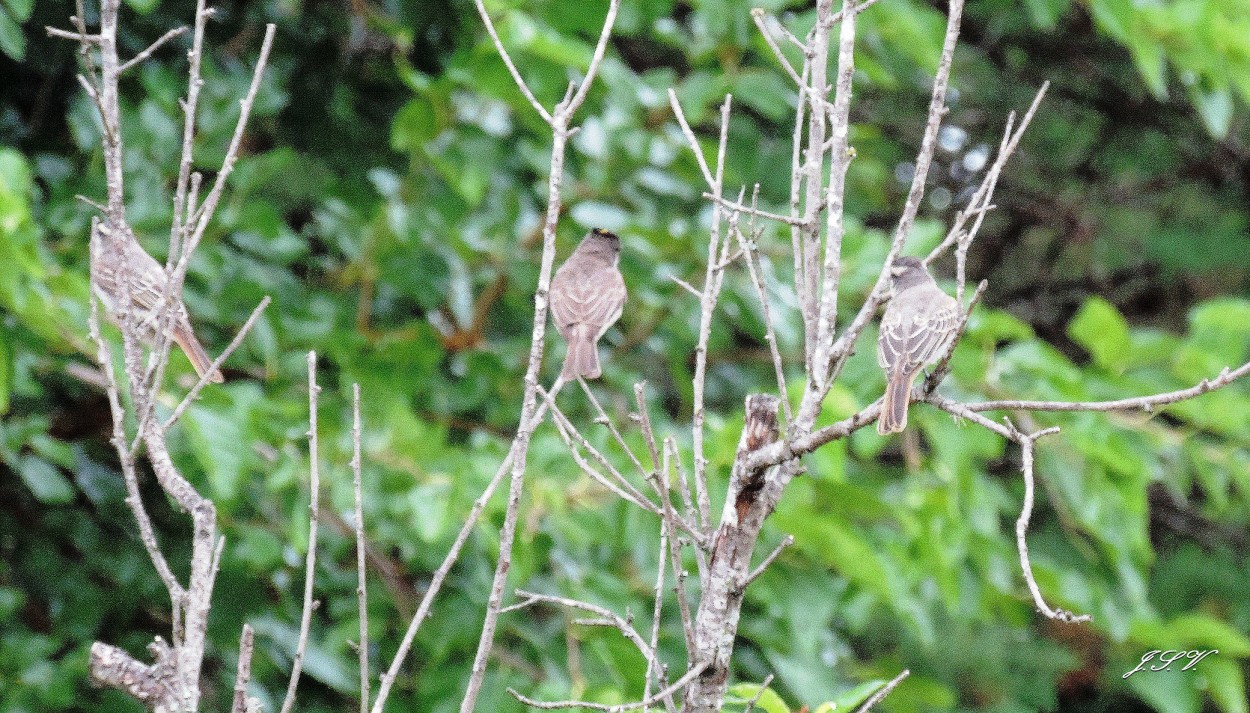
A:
<point x="652" y="668"/>
<point x="234" y="344"/>
<point x="1022" y="529"/>
<point x="607" y="422"/>
<point x="751" y="250"/>
<point x="1142" y="403"/>
<point x="845" y="343"/>
<point x="738" y="207"/>
<point x="134" y="501"/>
<point x="882" y="692"/>
<point x="979" y="204"/>
<point x="176" y="32"/>
<point x="678" y="685"/>
<point x="937" y="109"/>
<point x="453" y="554"/>
<point x="362" y="600"/>
<point x="688" y="287"/>
<point x="181" y="221"/>
<point x="71" y="35"/>
<point x="571" y="105"/>
<point x="750" y="706"/>
<point x="644" y="422"/>
<point x="690" y="138"/>
<point x="243" y="675"/>
<point x="683" y="480"/>
<point x="310" y="561"/>
<point x="569" y="433"/>
<point x="507" y="60"/>
<point x="606" y="617"/>
<point x="711" y="293"/>
<point x="772" y="556"/>
<point x="758" y="16"/>
<point x="205" y="212"/>
<point x="835" y="228"/>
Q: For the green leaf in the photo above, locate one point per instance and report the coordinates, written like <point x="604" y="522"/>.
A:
<point x="6" y="372"/>
<point x="1169" y="690"/>
<point x="1215" y="107"/>
<point x="852" y="699"/>
<point x="143" y="7"/>
<point x="414" y="125"/>
<point x="1045" y="13"/>
<point x="1151" y="61"/>
<point x="1203" y="631"/>
<point x="768" y="701"/>
<point x="12" y="42"/>
<point x="1226" y="684"/>
<point x="20" y="9"/>
<point x="45" y="481"/>
<point x="1103" y="331"/>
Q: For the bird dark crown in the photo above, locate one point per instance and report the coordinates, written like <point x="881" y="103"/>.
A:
<point x="605" y="233"/>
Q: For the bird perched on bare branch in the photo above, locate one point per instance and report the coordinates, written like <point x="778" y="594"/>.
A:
<point x="587" y="297"/>
<point x="148" y="281"/>
<point x="918" y="325"/>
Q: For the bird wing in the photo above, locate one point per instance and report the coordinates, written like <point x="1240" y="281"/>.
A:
<point x="912" y="338"/>
<point x="596" y="300"/>
<point x="148" y="283"/>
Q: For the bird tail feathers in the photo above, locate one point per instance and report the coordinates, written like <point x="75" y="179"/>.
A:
<point x="583" y="355"/>
<point x="196" y="353"/>
<point x="893" y="417"/>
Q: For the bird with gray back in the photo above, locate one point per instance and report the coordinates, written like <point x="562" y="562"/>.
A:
<point x="587" y="297"/>
<point x="919" y="323"/>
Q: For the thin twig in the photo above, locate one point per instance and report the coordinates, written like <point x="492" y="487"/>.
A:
<point x="770" y="333"/>
<point x="644" y="422"/>
<point x="711" y="293"/>
<point x="243" y="675"/>
<point x="772" y="556"/>
<point x="176" y="32"/>
<point x="690" y="138"/>
<point x="882" y="692"/>
<point x="606" y="421"/>
<point x="688" y="287"/>
<point x="205" y="212"/>
<point x="738" y="207"/>
<point x="1027" y="442"/>
<point x="453" y="554"/>
<point x="657" y="608"/>
<point x="758" y="694"/>
<point x="362" y="599"/>
<point x="605" y="617"/>
<point x="620" y="708"/>
<point x="979" y="204"/>
<point x="507" y="60"/>
<point x="1142" y="403"/>
<point x="221" y="359"/>
<point x="622" y="488"/>
<point x="71" y="35"/>
<point x="758" y="16"/>
<point x="310" y="561"/>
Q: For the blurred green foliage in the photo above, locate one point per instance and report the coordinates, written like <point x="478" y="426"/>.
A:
<point x="389" y="201"/>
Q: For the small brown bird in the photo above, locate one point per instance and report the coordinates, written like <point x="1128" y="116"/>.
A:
<point x="587" y="297"/>
<point x="147" y="290"/>
<point x="918" y="325"/>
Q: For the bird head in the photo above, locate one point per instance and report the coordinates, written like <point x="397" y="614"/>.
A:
<point x="908" y="271"/>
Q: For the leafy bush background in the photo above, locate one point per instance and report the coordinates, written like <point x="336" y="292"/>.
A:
<point x="388" y="202"/>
